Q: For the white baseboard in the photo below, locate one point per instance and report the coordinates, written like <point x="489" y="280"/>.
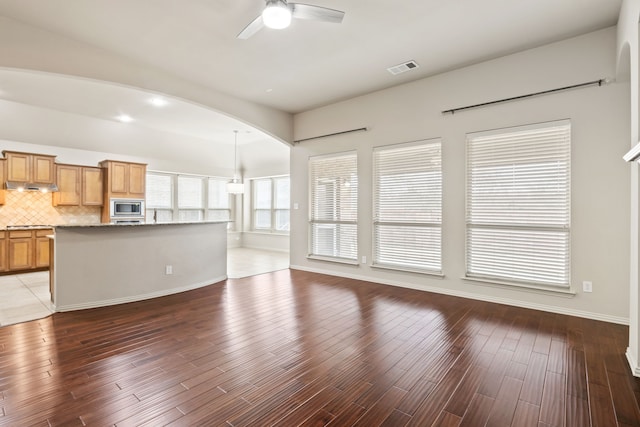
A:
<point x="134" y="298"/>
<point x="633" y="362"/>
<point x="470" y="295"/>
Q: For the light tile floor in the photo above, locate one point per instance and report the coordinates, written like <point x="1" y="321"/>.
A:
<point x="25" y="297"/>
<point x="243" y="262"/>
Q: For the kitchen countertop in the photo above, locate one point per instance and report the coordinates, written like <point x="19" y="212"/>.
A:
<point x="47" y="227"/>
<point x="26" y="227"/>
<point x="136" y="225"/>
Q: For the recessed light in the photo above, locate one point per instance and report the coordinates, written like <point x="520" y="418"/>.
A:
<point x="124" y="118"/>
<point x="158" y="102"/>
<point x="269" y="90"/>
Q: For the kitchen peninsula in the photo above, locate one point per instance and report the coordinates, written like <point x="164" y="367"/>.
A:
<point x="105" y="264"/>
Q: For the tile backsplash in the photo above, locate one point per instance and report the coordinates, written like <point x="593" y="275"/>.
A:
<point x="35" y="208"/>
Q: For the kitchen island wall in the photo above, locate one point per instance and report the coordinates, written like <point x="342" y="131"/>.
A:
<point x="108" y="264"/>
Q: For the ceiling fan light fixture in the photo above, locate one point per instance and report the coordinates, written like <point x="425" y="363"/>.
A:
<point x="276" y="15"/>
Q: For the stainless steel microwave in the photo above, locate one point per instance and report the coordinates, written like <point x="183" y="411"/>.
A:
<point x="129" y="208"/>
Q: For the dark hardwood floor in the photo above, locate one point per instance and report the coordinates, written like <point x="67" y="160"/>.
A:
<point x="292" y="348"/>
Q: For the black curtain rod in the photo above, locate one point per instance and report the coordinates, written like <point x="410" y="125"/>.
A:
<point x="297" y="141"/>
<point x="544" y="92"/>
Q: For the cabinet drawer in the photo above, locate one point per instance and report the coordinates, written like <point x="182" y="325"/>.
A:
<point x="20" y="234"/>
<point x="44" y="233"/>
<point x="3" y="234"/>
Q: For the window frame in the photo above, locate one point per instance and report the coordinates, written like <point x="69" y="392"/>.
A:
<point x="273" y="210"/>
<point x="204" y="209"/>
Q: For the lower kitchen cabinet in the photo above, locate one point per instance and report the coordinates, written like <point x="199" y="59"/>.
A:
<point x="27" y="249"/>
<point x="20" y="250"/>
<point x="42" y="249"/>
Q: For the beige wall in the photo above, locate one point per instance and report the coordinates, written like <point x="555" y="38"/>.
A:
<point x="600" y="180"/>
<point x="128" y="263"/>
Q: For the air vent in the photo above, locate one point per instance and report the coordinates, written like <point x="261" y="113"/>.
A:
<point x="403" y="68"/>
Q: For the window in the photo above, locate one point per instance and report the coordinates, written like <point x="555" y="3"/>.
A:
<point x="190" y="198"/>
<point x="171" y="197"/>
<point x="271" y="204"/>
<point x="159" y="197"/>
<point x="518" y="204"/>
<point x="334" y="207"/>
<point x="408" y="206"/>
<point x="218" y="200"/>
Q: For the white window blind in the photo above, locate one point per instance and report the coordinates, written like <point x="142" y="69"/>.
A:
<point x="334" y="206"/>
<point x="159" y="197"/>
<point x="218" y="200"/>
<point x="190" y="198"/>
<point x="518" y="204"/>
<point x="262" y="204"/>
<point x="408" y="206"/>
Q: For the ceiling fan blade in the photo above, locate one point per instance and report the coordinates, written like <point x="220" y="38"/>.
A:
<point x="253" y="27"/>
<point x="316" y="13"/>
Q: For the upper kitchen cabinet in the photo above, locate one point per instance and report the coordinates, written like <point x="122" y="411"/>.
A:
<point x="30" y="168"/>
<point x="3" y="192"/>
<point x="78" y="185"/>
<point x="69" y="186"/>
<point x="92" y="186"/>
<point x="124" y="180"/>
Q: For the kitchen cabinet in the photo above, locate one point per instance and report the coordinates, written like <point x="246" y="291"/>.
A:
<point x="125" y="180"/>
<point x="92" y="186"/>
<point x="21" y="256"/>
<point x="3" y="251"/>
<point x="27" y="249"/>
<point x="3" y="178"/>
<point x="68" y="180"/>
<point x="41" y="248"/>
<point x="30" y="168"/>
<point x="78" y="185"/>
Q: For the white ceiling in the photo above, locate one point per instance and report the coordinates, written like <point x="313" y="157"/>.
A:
<point x="305" y="66"/>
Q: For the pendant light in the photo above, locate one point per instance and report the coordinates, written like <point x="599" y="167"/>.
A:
<point x="235" y="186"/>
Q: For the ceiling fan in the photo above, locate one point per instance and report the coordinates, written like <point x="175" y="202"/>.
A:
<point x="277" y="14"/>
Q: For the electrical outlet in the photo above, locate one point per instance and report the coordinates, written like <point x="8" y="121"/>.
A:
<point x="168" y="269"/>
<point x="587" y="286"/>
<point x="364" y="259"/>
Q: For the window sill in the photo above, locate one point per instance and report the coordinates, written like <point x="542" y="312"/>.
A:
<point x="331" y="259"/>
<point x="539" y="289"/>
<point x="268" y="233"/>
<point x="437" y="274"/>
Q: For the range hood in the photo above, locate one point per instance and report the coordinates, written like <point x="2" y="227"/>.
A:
<point x="30" y="186"/>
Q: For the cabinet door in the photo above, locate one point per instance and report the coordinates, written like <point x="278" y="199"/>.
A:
<point x="3" y="252"/>
<point x="18" y="167"/>
<point x="42" y="252"/>
<point x="20" y="254"/>
<point x="3" y="192"/>
<point x="68" y="179"/>
<point x="43" y="169"/>
<point x="119" y="178"/>
<point x="92" y="194"/>
<point x="136" y="180"/>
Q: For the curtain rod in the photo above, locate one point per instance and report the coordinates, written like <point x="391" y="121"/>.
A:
<point x="297" y="141"/>
<point x="599" y="82"/>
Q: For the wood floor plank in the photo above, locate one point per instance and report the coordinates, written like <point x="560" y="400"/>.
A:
<point x="299" y="348"/>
